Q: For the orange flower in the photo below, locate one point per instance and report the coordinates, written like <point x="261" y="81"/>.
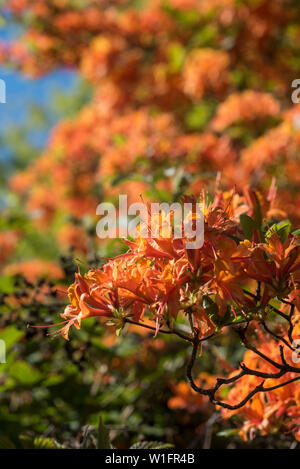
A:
<point x="35" y="269"/>
<point x="187" y="399"/>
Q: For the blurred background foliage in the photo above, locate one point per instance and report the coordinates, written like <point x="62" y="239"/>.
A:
<point x="55" y="389"/>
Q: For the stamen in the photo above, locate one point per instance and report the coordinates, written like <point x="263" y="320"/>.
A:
<point x="50" y="325"/>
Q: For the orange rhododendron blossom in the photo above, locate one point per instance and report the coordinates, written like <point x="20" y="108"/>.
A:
<point x="248" y="107"/>
<point x="155" y="82"/>
<point x="185" y="398"/>
<point x="161" y="277"/>
<point x="161" y="280"/>
<point x="205" y="70"/>
<point x="35" y="269"/>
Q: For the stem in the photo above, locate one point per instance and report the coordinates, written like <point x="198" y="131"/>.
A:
<point x="163" y="331"/>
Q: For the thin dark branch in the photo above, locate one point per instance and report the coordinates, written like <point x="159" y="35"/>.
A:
<point x="283" y="367"/>
<point x="162" y="331"/>
<point x="277" y="337"/>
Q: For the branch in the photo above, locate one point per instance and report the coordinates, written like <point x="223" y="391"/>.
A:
<point x="163" y="331"/>
<point x="283" y="368"/>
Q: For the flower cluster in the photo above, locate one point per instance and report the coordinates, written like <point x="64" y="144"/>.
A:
<point x="161" y="276"/>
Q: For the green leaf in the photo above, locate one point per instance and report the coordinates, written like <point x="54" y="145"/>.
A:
<point x="248" y="225"/>
<point x="103" y="436"/>
<point x="6" y="284"/>
<point x="45" y="443"/>
<point x="29" y="442"/>
<point x="209" y="305"/>
<point x="176" y="54"/>
<point x="24" y="373"/>
<point x="282" y="229"/>
<point x="186" y="18"/>
<point x="53" y="380"/>
<point x="151" y="445"/>
<point x="198" y="116"/>
<point x="118" y="139"/>
<point x="204" y="36"/>
<point x="296" y="232"/>
<point x="229" y="432"/>
<point x="11" y="335"/>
